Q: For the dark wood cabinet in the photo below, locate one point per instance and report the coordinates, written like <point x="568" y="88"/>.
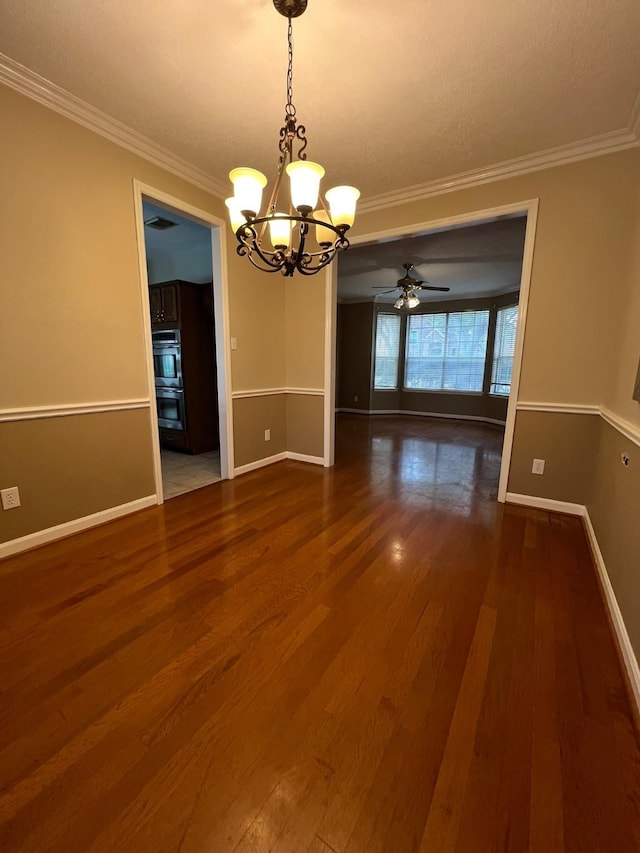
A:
<point x="186" y="307"/>
<point x="164" y="301"/>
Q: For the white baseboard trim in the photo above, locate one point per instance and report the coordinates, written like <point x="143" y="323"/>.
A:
<point x="421" y="415"/>
<point x="259" y="463"/>
<point x="50" y="534"/>
<point x="278" y="457"/>
<point x="545" y="503"/>
<point x="303" y="457"/>
<point x="626" y="649"/>
<point x="622" y="636"/>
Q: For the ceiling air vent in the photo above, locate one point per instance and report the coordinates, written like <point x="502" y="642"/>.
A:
<point x="160" y="223"/>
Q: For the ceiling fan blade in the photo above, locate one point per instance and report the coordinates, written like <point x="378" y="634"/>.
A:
<point x="432" y="287"/>
<point x="384" y="291"/>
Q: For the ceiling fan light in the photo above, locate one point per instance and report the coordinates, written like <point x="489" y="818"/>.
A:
<point x="324" y="236"/>
<point x="399" y="302"/>
<point x="412" y="300"/>
<point x="305" y="184"/>
<point x="342" y="204"/>
<point x="247" y="189"/>
<point x="280" y="231"/>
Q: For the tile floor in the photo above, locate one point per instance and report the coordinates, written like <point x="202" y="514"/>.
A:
<point x="182" y="472"/>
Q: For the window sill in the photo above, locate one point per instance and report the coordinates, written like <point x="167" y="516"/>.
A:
<point x="442" y="391"/>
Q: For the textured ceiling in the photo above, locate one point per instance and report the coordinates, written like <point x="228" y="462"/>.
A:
<point x="473" y="261"/>
<point x="392" y="94"/>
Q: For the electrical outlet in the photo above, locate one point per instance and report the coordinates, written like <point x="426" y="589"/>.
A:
<point x="355" y="399"/>
<point x="624" y="458"/>
<point x="10" y="498"/>
<point x="538" y="466"/>
<point x="267" y="435"/>
<point x="234" y="343"/>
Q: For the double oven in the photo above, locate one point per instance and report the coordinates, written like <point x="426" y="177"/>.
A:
<point x="167" y="368"/>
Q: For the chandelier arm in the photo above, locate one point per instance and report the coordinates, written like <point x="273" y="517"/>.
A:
<point x="249" y="242"/>
<point x="338" y="230"/>
<point x="304" y="228"/>
<point x="273" y="261"/>
<point x="247" y="254"/>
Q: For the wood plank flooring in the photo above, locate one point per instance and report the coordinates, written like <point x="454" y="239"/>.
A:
<point x="376" y="657"/>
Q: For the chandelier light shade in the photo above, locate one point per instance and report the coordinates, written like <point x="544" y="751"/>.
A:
<point x="297" y="231"/>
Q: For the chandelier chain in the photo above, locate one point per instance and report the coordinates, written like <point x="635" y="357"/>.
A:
<point x="290" y="110"/>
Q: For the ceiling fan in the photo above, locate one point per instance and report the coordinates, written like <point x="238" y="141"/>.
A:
<point x="408" y="285"/>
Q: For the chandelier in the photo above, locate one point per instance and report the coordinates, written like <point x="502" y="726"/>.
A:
<point x="284" y="241"/>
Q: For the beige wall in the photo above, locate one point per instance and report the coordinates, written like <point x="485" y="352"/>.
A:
<point x="70" y="467"/>
<point x="252" y="416"/>
<point x="305" y="432"/>
<point x="567" y="443"/>
<point x="613" y="506"/>
<point x="305" y="312"/>
<point x="257" y="321"/>
<point x="623" y="367"/>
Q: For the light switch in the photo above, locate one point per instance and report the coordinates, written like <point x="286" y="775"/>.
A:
<point x="234" y="343"/>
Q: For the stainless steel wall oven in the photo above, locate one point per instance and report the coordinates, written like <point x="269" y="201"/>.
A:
<point x="170" y="407"/>
<point x="167" y="358"/>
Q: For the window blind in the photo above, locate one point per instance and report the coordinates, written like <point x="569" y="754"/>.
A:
<point x="387" y="352"/>
<point x="503" y="349"/>
<point x="446" y="352"/>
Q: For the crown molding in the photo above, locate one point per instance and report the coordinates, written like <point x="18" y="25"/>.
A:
<point x="27" y="82"/>
<point x="606" y="143"/>
<point x="39" y="89"/>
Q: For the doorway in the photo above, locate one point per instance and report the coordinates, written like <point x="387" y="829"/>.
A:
<point x="182" y="271"/>
<point x="449" y="354"/>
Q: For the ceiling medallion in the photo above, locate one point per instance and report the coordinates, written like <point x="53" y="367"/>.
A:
<point x="279" y="240"/>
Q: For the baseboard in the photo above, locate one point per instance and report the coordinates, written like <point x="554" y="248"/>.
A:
<point x="278" y="457"/>
<point x="259" y="463"/>
<point x="627" y="654"/>
<point x="545" y="503"/>
<point x="50" y="534"/>
<point x="624" y="643"/>
<point x="303" y="457"/>
<point x="421" y="415"/>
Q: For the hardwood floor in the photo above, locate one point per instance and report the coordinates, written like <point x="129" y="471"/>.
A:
<point x="377" y="657"/>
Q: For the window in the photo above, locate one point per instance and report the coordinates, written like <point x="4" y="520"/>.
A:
<point x="387" y="349"/>
<point x="503" y="349"/>
<point x="446" y="352"/>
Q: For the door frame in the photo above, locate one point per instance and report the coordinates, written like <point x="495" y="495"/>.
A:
<point x="217" y="228"/>
<point x="528" y="208"/>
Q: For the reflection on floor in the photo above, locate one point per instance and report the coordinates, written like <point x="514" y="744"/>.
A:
<point x="182" y="472"/>
<point x="429" y="463"/>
